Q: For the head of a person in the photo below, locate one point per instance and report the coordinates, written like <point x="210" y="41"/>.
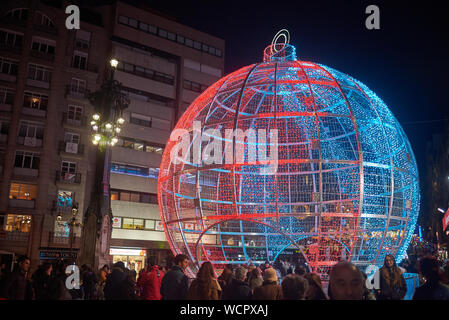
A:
<point x="206" y="271"/>
<point x="181" y="261"/>
<point x="119" y="265"/>
<point x="429" y="268"/>
<point x="266" y="265"/>
<point x="270" y="275"/>
<point x="346" y="282"/>
<point x="294" y="287"/>
<point x="251" y="268"/>
<point x="300" y="270"/>
<point x="389" y="261"/>
<point x="47" y="267"/>
<point x="105" y="268"/>
<point x="24" y="263"/>
<point x="151" y="262"/>
<point x="240" y="273"/>
<point x="315" y="289"/>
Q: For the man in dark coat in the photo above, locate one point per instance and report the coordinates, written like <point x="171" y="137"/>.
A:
<point x="175" y="283"/>
<point x="17" y="286"/>
<point x="238" y="289"/>
<point x="432" y="289"/>
<point x="118" y="285"/>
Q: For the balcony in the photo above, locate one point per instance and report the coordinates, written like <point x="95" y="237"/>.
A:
<point x="44" y="28"/>
<point x="14" y="236"/>
<point x="38" y="83"/>
<point x="76" y="93"/>
<point x="25" y="173"/>
<point x="62" y="209"/>
<point x="58" y="238"/>
<point x="9" y="48"/>
<point x="69" y="147"/>
<point x="6" y="107"/>
<point x="21" y="203"/>
<point x="34" y="112"/>
<point x="72" y="122"/>
<point x="69" y="178"/>
<point x="88" y="67"/>
<point x="8" y="77"/>
<point x="29" y="142"/>
<point x="42" y="55"/>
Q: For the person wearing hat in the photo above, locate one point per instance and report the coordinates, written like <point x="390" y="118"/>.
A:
<point x="270" y="289"/>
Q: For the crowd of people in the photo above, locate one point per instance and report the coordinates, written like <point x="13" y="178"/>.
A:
<point x="281" y="281"/>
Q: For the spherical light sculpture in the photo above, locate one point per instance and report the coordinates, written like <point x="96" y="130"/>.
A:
<point x="345" y="186"/>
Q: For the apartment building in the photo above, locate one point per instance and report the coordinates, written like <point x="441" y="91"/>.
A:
<point x="46" y="157"/>
<point x="164" y="66"/>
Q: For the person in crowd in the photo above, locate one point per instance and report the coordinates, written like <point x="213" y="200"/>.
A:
<point x="175" y="283"/>
<point x="300" y="270"/>
<point x="265" y="266"/>
<point x="226" y="276"/>
<point x="392" y="282"/>
<point x="205" y="286"/>
<point x="17" y="287"/>
<point x="104" y="273"/>
<point x="270" y="289"/>
<point x="238" y="289"/>
<point x="57" y="289"/>
<point x="118" y="285"/>
<point x="315" y="289"/>
<point x="432" y="289"/>
<point x="41" y="280"/>
<point x="445" y="273"/>
<point x="346" y="282"/>
<point x="255" y="278"/>
<point x="150" y="281"/>
<point x="4" y="274"/>
<point x="89" y="282"/>
<point x="294" y="287"/>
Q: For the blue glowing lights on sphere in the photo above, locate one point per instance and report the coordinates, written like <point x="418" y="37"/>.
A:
<point x="346" y="185"/>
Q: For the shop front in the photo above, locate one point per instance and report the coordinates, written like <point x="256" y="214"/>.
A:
<point x="133" y="258"/>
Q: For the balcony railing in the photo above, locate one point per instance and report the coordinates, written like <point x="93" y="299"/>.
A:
<point x="62" y="209"/>
<point x="66" y="177"/>
<point x="42" y="55"/>
<point x="15" y="236"/>
<point x="45" y="28"/>
<point x="13" y="49"/>
<point x="21" y="203"/>
<point x="58" y="238"/>
<point x="77" y="93"/>
<point x="88" y="67"/>
<point x="70" y="147"/>
<point x="77" y="123"/>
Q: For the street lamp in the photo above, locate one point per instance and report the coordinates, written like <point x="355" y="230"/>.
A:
<point x="106" y="123"/>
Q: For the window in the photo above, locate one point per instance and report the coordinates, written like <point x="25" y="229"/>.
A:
<point x="65" y="198"/>
<point x="205" y="47"/>
<point x="133" y="196"/>
<point x="162" y="33"/>
<point x="22" y="191"/>
<point x="143" y="27"/>
<point x="132" y="22"/>
<point x="193" y="86"/>
<point x="42" y="19"/>
<point x="180" y="39"/>
<point x="27" y="160"/>
<point x="171" y="36"/>
<point x="123" y="20"/>
<point x="189" y="42"/>
<point x="136" y="224"/>
<point x="6" y="96"/>
<point x="147" y="73"/>
<point x="18" y="14"/>
<point x="79" y="61"/>
<point x="154" y="149"/>
<point x="11" y="39"/>
<point x="140" y="120"/>
<point x="31" y="130"/>
<point x="68" y="167"/>
<point x="114" y="195"/>
<point x="71" y="137"/>
<point x="77" y="85"/>
<point x="74" y="113"/>
<point x="8" y="66"/>
<point x="18" y="223"/>
<point x="197" y="45"/>
<point x="81" y="44"/>
<point x="152" y="29"/>
<point x="4" y="127"/>
<point x="35" y="101"/>
<point x="218" y="52"/>
<point x="39" y="73"/>
<point x="43" y="46"/>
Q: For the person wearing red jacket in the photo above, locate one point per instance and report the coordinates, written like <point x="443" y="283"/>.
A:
<point x="150" y="283"/>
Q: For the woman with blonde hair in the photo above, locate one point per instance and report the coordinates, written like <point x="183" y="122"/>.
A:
<point x="205" y="286"/>
<point x="392" y="282"/>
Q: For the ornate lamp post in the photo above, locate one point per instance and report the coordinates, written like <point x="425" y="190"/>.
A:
<point x="107" y="120"/>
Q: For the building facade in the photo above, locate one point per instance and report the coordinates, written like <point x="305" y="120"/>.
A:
<point x="46" y="155"/>
<point x="163" y="66"/>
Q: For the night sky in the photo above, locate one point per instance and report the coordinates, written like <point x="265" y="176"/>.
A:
<point x="406" y="62"/>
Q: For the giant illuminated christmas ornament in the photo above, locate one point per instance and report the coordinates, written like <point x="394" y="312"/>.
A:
<point x="323" y="169"/>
